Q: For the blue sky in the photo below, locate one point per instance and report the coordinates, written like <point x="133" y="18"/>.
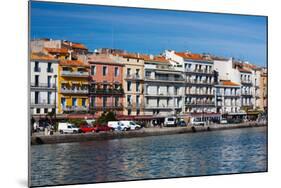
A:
<point x="152" y="31"/>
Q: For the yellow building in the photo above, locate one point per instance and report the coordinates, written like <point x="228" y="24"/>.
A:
<point x="73" y="76"/>
<point x="263" y="90"/>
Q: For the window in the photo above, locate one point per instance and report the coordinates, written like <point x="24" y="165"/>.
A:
<point x="104" y="101"/>
<point x="104" y="70"/>
<point x="93" y="70"/>
<point x="37" y="110"/>
<point x="138" y="112"/>
<point x="129" y="86"/>
<point x="36" y="97"/>
<point x="37" y="80"/>
<point x="116" y="71"/>
<point x="137" y="73"/>
<point x="49" y="81"/>
<point x="138" y="100"/>
<point x="45" y="110"/>
<point x="49" y="68"/>
<point x="63" y="102"/>
<point x="129" y="100"/>
<point x="128" y="71"/>
<point x="129" y="111"/>
<point x="116" y="101"/>
<point x="49" y="98"/>
<point x="137" y="86"/>
<point x="74" y="101"/>
<point x="36" y="66"/>
<point x="93" y="101"/>
<point x="83" y="102"/>
<point x="148" y="74"/>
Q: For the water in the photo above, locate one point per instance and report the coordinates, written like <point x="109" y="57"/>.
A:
<point x="205" y="153"/>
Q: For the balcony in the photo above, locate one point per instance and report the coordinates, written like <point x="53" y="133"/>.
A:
<point x="75" y="108"/>
<point x="247" y="94"/>
<point x="164" y="107"/>
<point x="164" y="79"/>
<point x="42" y="86"/>
<point x="133" y="77"/>
<point x="229" y="95"/>
<point x="201" y="104"/>
<point x="163" y="94"/>
<point x="107" y="106"/>
<point x="74" y="91"/>
<point x="199" y="82"/>
<point x="200" y="94"/>
<point x="134" y="105"/>
<point x="41" y="104"/>
<point x="247" y="82"/>
<point x="107" y="91"/>
<point x="74" y="74"/>
<point x="199" y="72"/>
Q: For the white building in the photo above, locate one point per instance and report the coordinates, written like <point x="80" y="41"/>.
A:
<point x="43" y="83"/>
<point x="199" y="81"/>
<point x="163" y="88"/>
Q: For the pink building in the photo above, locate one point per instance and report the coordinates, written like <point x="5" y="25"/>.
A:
<point x="106" y="91"/>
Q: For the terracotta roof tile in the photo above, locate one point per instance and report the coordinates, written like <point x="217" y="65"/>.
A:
<point x="57" y="50"/>
<point x="75" y="63"/>
<point x="229" y="83"/>
<point x="244" y="70"/>
<point x="78" y="45"/>
<point x="41" y="56"/>
<point x="186" y="55"/>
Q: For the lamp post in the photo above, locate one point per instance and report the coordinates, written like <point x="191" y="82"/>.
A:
<point x="55" y="115"/>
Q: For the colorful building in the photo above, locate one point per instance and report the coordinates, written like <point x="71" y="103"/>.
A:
<point x="132" y="79"/>
<point x="43" y="82"/>
<point x="106" y="90"/>
<point x="73" y="86"/>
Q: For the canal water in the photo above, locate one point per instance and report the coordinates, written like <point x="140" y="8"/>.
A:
<point x="204" y="153"/>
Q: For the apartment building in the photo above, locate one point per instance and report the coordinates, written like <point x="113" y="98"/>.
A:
<point x="133" y="81"/>
<point x="199" y="95"/>
<point x="263" y="89"/>
<point x="163" y="87"/>
<point x="106" y="90"/>
<point x="228" y="97"/>
<point x="73" y="86"/>
<point x="43" y="82"/>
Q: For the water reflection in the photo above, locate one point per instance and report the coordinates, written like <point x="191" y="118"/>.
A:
<point x="231" y="151"/>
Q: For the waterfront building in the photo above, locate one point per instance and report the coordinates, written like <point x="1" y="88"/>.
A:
<point x="43" y="82"/>
<point x="73" y="86"/>
<point x="263" y="89"/>
<point x="199" y="95"/>
<point x="228" y="97"/>
<point x="163" y="88"/>
<point x="106" y="90"/>
<point x="133" y="80"/>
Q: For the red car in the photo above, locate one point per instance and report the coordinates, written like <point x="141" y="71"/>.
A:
<point x="97" y="128"/>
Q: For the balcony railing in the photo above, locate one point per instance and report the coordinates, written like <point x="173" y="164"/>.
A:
<point x="164" y="79"/>
<point x="197" y="82"/>
<point x="200" y="103"/>
<point x="200" y="94"/>
<point x="42" y="85"/>
<point x="198" y="71"/>
<point x="135" y="105"/>
<point x="246" y="82"/>
<point x="107" y="106"/>
<point x="74" y="74"/>
<point x="247" y="94"/>
<point x="161" y="107"/>
<point x="42" y="104"/>
<point x="133" y="77"/>
<point x="107" y="91"/>
<point x="74" y="108"/>
<point x="74" y="91"/>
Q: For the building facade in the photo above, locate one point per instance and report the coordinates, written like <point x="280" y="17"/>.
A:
<point x="43" y="83"/>
<point x="73" y="86"/>
<point x="163" y="88"/>
<point x="106" y="89"/>
<point x="133" y="81"/>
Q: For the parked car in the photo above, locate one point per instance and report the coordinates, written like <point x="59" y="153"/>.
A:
<point x="117" y="125"/>
<point x="85" y="128"/>
<point x="181" y="123"/>
<point x="131" y="124"/>
<point x="197" y="122"/>
<point x="223" y="121"/>
<point x="170" y="121"/>
<point x="99" y="128"/>
<point x="68" y="128"/>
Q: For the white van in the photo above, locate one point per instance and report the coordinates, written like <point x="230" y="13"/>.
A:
<point x="117" y="125"/>
<point x="197" y="121"/>
<point x="68" y="128"/>
<point x="170" y="121"/>
<point x="131" y="124"/>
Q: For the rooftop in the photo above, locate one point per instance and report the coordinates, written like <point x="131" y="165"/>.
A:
<point x="57" y="50"/>
<point x="41" y="56"/>
<point x="187" y="55"/>
<point x="229" y="83"/>
<point x="73" y="63"/>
